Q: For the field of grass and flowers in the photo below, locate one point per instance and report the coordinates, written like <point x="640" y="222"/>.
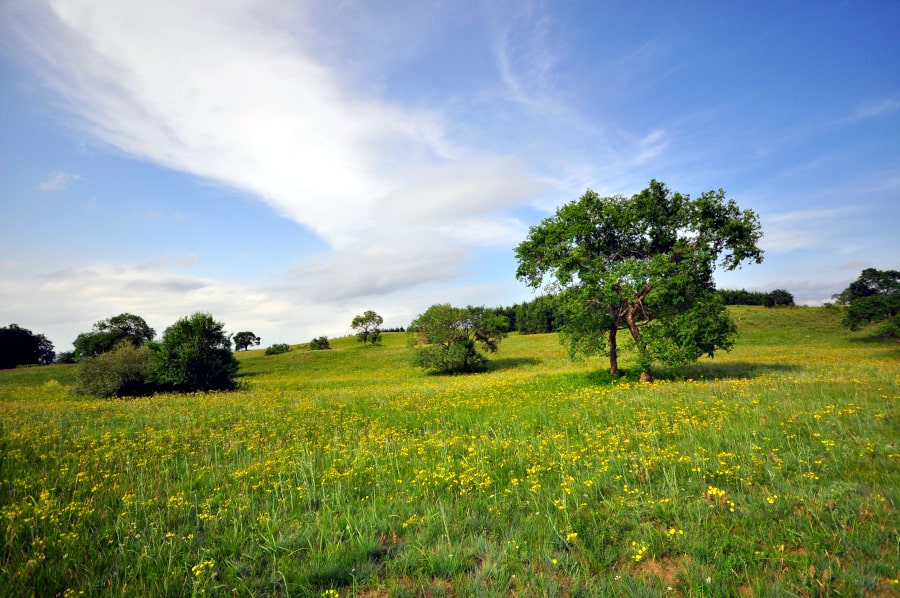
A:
<point x="773" y="470"/>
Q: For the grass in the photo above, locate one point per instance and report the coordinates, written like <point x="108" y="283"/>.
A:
<point x="769" y="471"/>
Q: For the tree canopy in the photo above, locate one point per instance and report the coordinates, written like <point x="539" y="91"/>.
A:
<point x="244" y="340"/>
<point x="368" y="327"/>
<point x="194" y="354"/>
<point x="107" y="334"/>
<point x="643" y="263"/>
<point x="873" y="297"/>
<point x="446" y="338"/>
<point x="20" y="346"/>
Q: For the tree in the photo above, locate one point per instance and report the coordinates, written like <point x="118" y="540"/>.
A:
<point x="778" y="298"/>
<point x="873" y="297"/>
<point x="643" y="264"/>
<point x="194" y="354"/>
<point x="445" y="337"/>
<point x="20" y="346"/>
<point x="368" y="327"/>
<point x="244" y="340"/>
<point x="108" y="334"/>
<point x="319" y="343"/>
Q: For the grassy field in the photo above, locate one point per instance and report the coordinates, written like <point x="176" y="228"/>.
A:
<point x="773" y="470"/>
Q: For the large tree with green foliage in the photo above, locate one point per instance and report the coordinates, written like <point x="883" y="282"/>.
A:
<point x="194" y="354"/>
<point x="871" y="298"/>
<point x="644" y="264"/>
<point x="107" y="334"/>
<point x="20" y="346"/>
<point x="368" y="327"/>
<point x="446" y="338"/>
<point x="244" y="340"/>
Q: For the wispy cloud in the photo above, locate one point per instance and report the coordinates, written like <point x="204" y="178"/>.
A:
<point x="876" y="108"/>
<point x="59" y="181"/>
<point x="224" y="92"/>
<point x="804" y="229"/>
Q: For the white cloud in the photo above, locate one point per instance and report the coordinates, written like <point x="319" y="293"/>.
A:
<point x="58" y="181"/>
<point x="227" y="92"/>
<point x="804" y="229"/>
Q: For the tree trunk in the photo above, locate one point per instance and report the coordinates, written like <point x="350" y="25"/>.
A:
<point x="613" y="351"/>
<point x="636" y="335"/>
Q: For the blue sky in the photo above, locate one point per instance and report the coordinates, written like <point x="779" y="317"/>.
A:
<point x="287" y="165"/>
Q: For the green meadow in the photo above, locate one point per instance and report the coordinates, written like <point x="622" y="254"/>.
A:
<point x="772" y="470"/>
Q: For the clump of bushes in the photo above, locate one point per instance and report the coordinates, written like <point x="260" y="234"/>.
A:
<point x="118" y="373"/>
<point x="193" y="355"/>
<point x="278" y="348"/>
<point x="319" y="343"/>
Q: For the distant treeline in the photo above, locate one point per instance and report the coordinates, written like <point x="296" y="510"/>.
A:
<point x="545" y="314"/>
<point x="776" y="298"/>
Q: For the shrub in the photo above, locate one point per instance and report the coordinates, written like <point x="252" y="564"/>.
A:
<point x="778" y="298"/>
<point x="319" y="343"/>
<point x="65" y="357"/>
<point x="195" y="355"/>
<point x="445" y="337"/>
<point x="278" y="348"/>
<point x="118" y="373"/>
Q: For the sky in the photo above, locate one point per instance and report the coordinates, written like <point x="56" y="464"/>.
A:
<point x="288" y="165"/>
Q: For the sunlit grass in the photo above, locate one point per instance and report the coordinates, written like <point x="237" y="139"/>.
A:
<point x="772" y="470"/>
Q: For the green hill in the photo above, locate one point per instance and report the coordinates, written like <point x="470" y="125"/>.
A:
<point x="769" y="470"/>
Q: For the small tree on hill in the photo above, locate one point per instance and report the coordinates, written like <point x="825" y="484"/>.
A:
<point x="446" y="337"/>
<point x="778" y="298"/>
<point x="368" y="327"/>
<point x="319" y="343"/>
<point x="245" y="340"/>
<point x="20" y="346"/>
<point x="194" y="354"/>
<point x="872" y="298"/>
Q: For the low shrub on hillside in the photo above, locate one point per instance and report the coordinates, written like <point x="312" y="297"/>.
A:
<point x="278" y="348"/>
<point x="319" y="343"/>
<point x="118" y="373"/>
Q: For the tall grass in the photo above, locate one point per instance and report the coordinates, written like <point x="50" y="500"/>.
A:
<point x="772" y="470"/>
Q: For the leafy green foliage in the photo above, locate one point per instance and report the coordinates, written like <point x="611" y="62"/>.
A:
<point x="245" y="340"/>
<point x="65" y="357"/>
<point x="319" y="343"/>
<point x="120" y="372"/>
<point x="20" y="346"/>
<point x="278" y="349"/>
<point x="368" y="327"/>
<point x="779" y="298"/>
<point x="447" y="338"/>
<point x="644" y="264"/>
<point x="195" y="355"/>
<point x="776" y="298"/>
<point x="872" y="298"/>
<point x="106" y="335"/>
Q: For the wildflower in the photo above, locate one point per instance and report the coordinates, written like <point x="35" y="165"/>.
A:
<point x="202" y="566"/>
<point x="570" y="537"/>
